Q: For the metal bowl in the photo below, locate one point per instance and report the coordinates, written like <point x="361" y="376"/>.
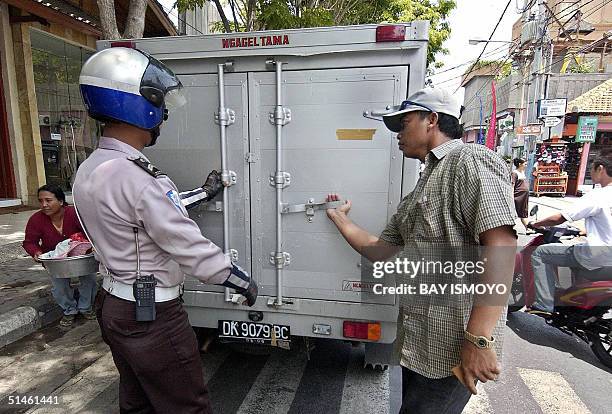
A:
<point x="71" y="266"/>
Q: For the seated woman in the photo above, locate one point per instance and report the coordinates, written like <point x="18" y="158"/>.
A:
<point x="57" y="221"/>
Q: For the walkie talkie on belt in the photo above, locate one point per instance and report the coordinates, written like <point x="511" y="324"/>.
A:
<point x="144" y="290"/>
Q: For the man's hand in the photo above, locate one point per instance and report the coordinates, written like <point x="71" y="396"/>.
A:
<point x="36" y="259"/>
<point x="213" y="184"/>
<point x="478" y="364"/>
<point x="343" y="209"/>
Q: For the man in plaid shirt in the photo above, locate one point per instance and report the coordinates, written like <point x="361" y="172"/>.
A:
<point x="463" y="199"/>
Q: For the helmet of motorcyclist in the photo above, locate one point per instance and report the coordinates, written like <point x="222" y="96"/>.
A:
<point x="127" y="85"/>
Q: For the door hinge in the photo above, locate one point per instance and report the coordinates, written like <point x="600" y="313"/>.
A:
<point x="229" y="178"/>
<point x="280" y="259"/>
<point x="225" y="117"/>
<point x="280" y="116"/>
<point x="280" y="180"/>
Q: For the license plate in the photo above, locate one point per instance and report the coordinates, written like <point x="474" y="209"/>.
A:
<point x="255" y="332"/>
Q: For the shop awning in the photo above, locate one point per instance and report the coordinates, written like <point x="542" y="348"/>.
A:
<point x="596" y="101"/>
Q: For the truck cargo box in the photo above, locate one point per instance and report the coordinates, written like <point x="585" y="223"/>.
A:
<point x="290" y="116"/>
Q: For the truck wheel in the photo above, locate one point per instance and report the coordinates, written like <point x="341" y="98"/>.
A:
<point x="205" y="337"/>
<point x="376" y="367"/>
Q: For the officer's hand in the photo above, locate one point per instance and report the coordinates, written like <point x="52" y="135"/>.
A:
<point x="250" y="294"/>
<point x="213" y="184"/>
<point x="343" y="209"/>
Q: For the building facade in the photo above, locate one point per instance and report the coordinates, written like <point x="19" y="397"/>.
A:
<point x="45" y="132"/>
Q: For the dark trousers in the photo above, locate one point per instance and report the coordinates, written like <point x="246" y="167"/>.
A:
<point x="422" y="395"/>
<point x="158" y="362"/>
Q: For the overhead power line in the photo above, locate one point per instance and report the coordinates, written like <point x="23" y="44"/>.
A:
<point x="178" y="17"/>
<point x="487" y="43"/>
<point x="526" y="77"/>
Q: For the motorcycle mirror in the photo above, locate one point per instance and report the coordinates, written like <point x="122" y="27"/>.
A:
<point x="534" y="210"/>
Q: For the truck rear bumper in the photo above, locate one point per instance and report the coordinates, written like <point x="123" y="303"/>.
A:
<point x="205" y="309"/>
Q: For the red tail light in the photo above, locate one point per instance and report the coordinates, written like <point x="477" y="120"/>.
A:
<point x="131" y="45"/>
<point x="361" y="330"/>
<point x="388" y="33"/>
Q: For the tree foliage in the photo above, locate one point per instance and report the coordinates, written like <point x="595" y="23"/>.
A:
<point x="249" y="15"/>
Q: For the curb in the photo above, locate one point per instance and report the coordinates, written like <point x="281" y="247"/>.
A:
<point x="17" y="323"/>
<point x="25" y="320"/>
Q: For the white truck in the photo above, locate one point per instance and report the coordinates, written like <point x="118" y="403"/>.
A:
<point x="288" y="117"/>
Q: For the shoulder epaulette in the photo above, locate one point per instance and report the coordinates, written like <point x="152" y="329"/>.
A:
<point x="147" y="166"/>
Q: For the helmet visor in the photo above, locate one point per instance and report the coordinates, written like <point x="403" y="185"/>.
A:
<point x="157" y="81"/>
<point x="175" y="99"/>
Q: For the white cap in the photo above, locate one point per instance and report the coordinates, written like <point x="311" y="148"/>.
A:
<point x="428" y="99"/>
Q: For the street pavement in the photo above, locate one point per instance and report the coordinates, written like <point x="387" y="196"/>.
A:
<point x="544" y="370"/>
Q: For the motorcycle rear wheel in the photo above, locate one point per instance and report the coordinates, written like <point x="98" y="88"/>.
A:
<point x="516" y="300"/>
<point x="601" y="349"/>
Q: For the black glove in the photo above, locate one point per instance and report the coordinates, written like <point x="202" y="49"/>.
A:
<point x="213" y="184"/>
<point x="250" y="293"/>
<point x="242" y="283"/>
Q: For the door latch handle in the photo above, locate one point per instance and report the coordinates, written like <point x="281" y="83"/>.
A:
<point x="310" y="207"/>
<point x="377" y="114"/>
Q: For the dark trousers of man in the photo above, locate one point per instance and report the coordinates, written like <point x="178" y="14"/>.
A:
<point x="422" y="395"/>
<point x="158" y="362"/>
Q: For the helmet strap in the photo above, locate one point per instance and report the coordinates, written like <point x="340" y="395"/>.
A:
<point x="154" y="134"/>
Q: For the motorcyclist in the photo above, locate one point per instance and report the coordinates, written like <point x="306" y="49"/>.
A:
<point x="592" y="258"/>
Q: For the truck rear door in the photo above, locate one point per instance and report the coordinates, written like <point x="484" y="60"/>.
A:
<point x="189" y="148"/>
<point x="329" y="146"/>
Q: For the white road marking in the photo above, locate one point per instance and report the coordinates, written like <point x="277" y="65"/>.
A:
<point x="552" y="392"/>
<point x="212" y="361"/>
<point x="274" y="389"/>
<point x="365" y="390"/>
<point x="479" y="403"/>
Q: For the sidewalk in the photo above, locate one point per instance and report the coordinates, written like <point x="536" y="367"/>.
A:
<point x="26" y="303"/>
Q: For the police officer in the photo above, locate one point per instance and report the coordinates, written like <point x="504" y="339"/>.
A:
<point x="143" y="237"/>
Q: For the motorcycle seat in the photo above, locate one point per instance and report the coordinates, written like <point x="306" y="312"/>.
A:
<point x="603" y="273"/>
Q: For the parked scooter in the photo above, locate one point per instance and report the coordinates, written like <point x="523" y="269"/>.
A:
<point x="584" y="309"/>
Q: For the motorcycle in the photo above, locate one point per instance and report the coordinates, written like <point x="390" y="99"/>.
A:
<point x="583" y="309"/>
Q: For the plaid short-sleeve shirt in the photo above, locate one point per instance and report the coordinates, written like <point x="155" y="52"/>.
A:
<point x="464" y="190"/>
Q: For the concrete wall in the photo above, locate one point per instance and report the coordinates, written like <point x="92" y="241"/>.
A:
<point x="507" y="92"/>
<point x="477" y="86"/>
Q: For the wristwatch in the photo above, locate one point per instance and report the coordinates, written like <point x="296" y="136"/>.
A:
<point x="481" y="342"/>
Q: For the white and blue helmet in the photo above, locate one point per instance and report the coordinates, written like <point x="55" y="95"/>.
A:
<point x="127" y="85"/>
